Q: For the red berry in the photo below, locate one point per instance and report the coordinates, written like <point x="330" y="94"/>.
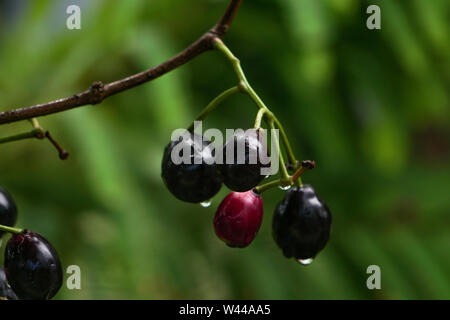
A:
<point x="238" y="218"/>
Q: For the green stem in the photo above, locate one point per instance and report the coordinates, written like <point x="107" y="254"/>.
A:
<point x="37" y="132"/>
<point x="235" y="63"/>
<point x="21" y="136"/>
<point x="11" y="229"/>
<point x="272" y="184"/>
<point x="214" y="103"/>
<point x="35" y="123"/>
<point x="40" y="134"/>
<point x="259" y="117"/>
<point x="295" y="179"/>
<point x="243" y="82"/>
<point x="284" y="174"/>
<point x="286" y="143"/>
<point x="246" y="87"/>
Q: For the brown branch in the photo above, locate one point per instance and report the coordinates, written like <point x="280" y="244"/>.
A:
<point x="98" y="91"/>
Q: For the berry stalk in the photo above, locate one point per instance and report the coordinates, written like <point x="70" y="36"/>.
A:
<point x="11" y="229"/>
<point x="294" y="179"/>
<point x="284" y="174"/>
<point x="214" y="103"/>
<point x="259" y="117"/>
<point x="247" y="88"/>
<point x="269" y="185"/>
<point x="236" y="64"/>
<point x="292" y="161"/>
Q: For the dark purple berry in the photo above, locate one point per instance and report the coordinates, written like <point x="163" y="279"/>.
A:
<point x="32" y="266"/>
<point x="197" y="179"/>
<point x="8" y="210"/>
<point x="238" y="218"/>
<point x="243" y="160"/>
<point x="301" y="223"/>
<point x="6" y="293"/>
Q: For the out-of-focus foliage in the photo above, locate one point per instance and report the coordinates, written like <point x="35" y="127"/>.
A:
<point x="371" y="107"/>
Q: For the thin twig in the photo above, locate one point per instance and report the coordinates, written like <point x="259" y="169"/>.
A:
<point x="306" y="165"/>
<point x="99" y="91"/>
<point x="63" y="154"/>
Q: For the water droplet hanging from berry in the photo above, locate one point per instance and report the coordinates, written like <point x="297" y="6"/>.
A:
<point x="305" y="262"/>
<point x="206" y="204"/>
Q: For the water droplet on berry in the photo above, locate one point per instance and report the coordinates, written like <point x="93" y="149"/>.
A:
<point x="284" y="188"/>
<point x="206" y="204"/>
<point x="305" y="262"/>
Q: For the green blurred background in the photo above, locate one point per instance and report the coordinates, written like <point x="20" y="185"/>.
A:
<point x="371" y="107"/>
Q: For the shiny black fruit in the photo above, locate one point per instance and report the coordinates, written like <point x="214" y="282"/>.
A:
<point x="8" y="210"/>
<point x="243" y="160"/>
<point x="301" y="223"/>
<point x="32" y="266"/>
<point x="194" y="177"/>
<point x="6" y="293"/>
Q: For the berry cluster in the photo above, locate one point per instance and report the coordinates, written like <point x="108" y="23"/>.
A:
<point x="239" y="216"/>
<point x="32" y="269"/>
<point x="301" y="222"/>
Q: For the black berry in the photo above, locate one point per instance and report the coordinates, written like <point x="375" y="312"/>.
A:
<point x="32" y="266"/>
<point x="8" y="210"/>
<point x="301" y="223"/>
<point x="242" y="171"/>
<point x="6" y="293"/>
<point x="197" y="179"/>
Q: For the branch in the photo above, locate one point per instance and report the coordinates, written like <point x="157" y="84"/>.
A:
<point x="99" y="91"/>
